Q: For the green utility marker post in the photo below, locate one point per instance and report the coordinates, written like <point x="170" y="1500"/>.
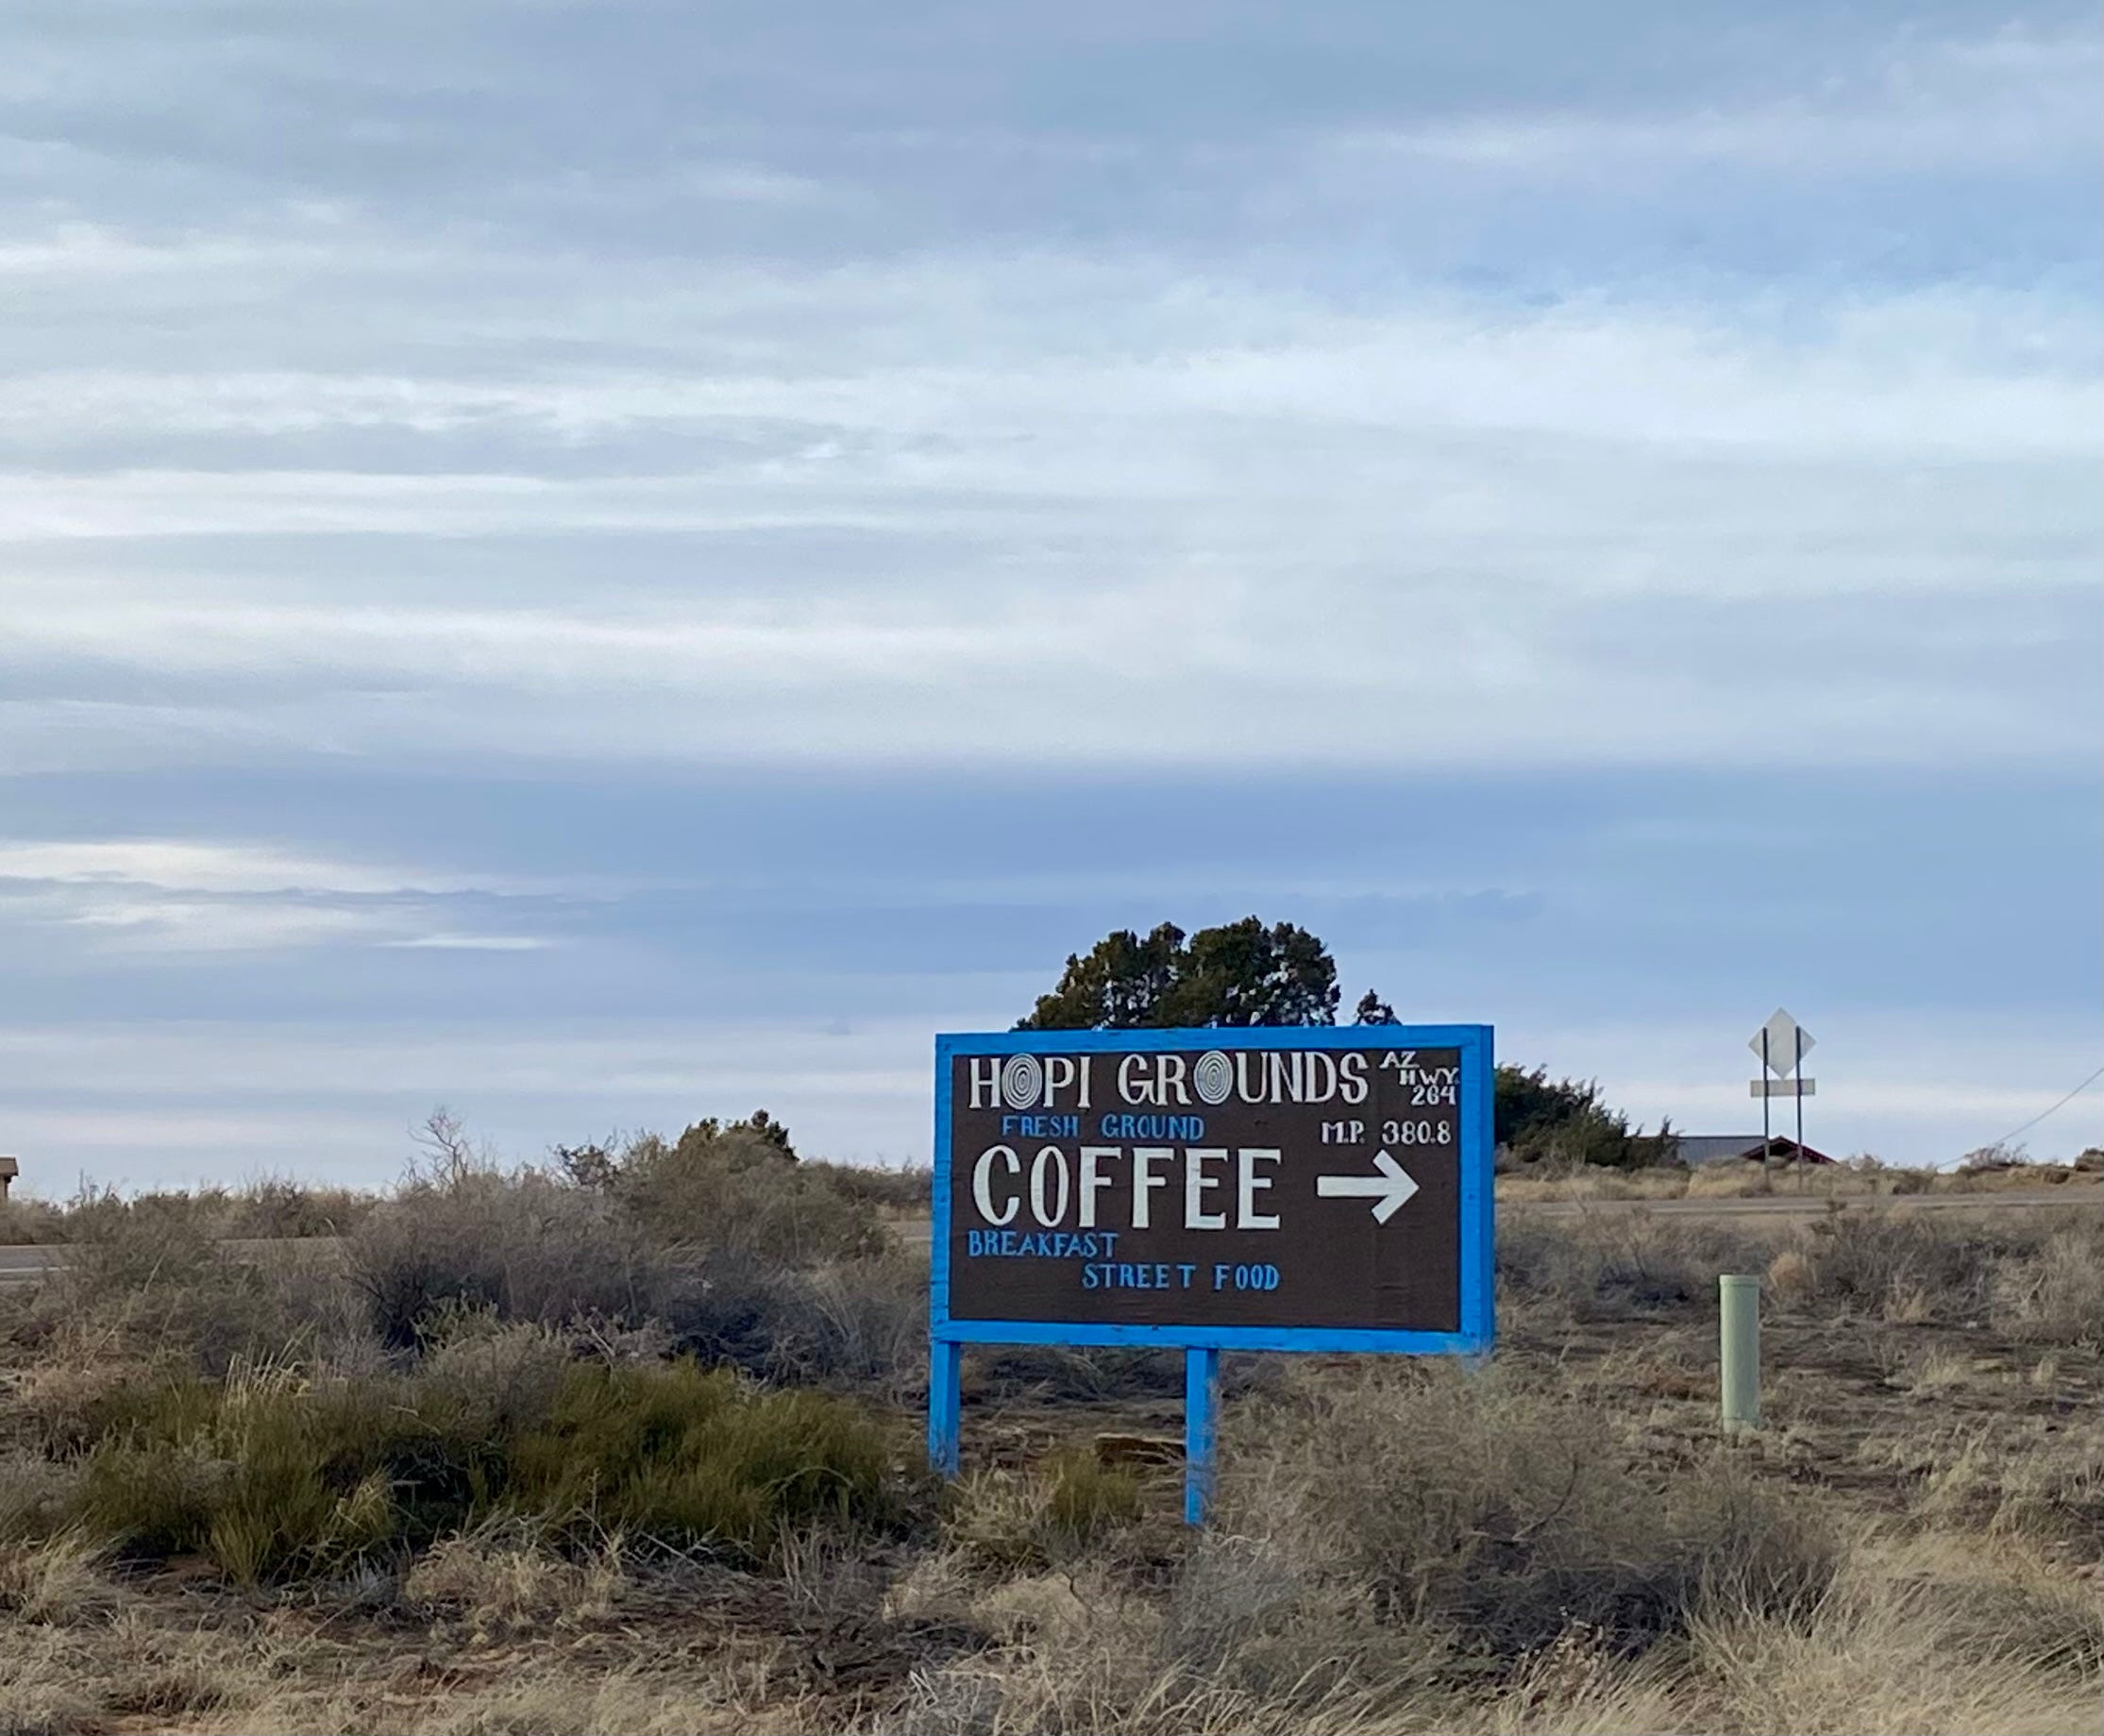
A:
<point x="1738" y="1348"/>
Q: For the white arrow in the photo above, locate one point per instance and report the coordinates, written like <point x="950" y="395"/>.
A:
<point x="1388" y="1190"/>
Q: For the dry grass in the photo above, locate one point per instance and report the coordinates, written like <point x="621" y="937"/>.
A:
<point x="1494" y="1553"/>
<point x="504" y="1578"/>
<point x="2056" y="1295"/>
<point x="1612" y="1265"/>
<point x="1556" y="1543"/>
<point x="1048" y="1513"/>
<point x="2041" y="1482"/>
<point x="637" y="1699"/>
<point x="27" y="1222"/>
<point x="36" y="1494"/>
<point x="57" y="1580"/>
<point x="268" y="1208"/>
<point x="1593" y="1184"/>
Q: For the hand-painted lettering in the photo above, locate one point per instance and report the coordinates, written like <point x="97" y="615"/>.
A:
<point x="982" y="1182"/>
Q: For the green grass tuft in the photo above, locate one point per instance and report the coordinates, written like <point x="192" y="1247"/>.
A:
<point x="700" y="1458"/>
<point x="271" y="1476"/>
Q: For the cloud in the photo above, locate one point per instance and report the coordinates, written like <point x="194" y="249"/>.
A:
<point x="186" y="897"/>
<point x="1207" y="667"/>
<point x="474" y="943"/>
<point x="469" y="1058"/>
<point x="2019" y="100"/>
<point x="1528" y="518"/>
<point x="190" y="865"/>
<point x="959" y="387"/>
<point x="176" y="926"/>
<point x="1173" y="435"/>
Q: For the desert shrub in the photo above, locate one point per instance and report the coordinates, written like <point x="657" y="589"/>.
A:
<point x="271" y="1476"/>
<point x="277" y="1209"/>
<point x="1790" y="1276"/>
<point x="30" y="1223"/>
<point x="854" y="1320"/>
<point x="1612" y="1265"/>
<point x="524" y="1246"/>
<point x="738" y="1308"/>
<point x="126" y="1245"/>
<point x="1084" y="1373"/>
<point x="907" y="1189"/>
<point x="1935" y="1634"/>
<point x="271" y="1473"/>
<point x="152" y="1499"/>
<point x="1884" y="1179"/>
<point x="1993" y="1159"/>
<point x="759" y="1132"/>
<point x="1562" y="1122"/>
<point x="152" y="1285"/>
<point x="489" y="1377"/>
<point x="1083" y="1670"/>
<point x="1492" y="1517"/>
<point x="1934" y="1264"/>
<point x="2055" y="1293"/>
<point x="43" y="1695"/>
<point x="698" y="1458"/>
<point x="994" y="1518"/>
<point x="271" y="1208"/>
<point x="737" y="1192"/>
<point x="869" y="1322"/>
<point x="260" y="1475"/>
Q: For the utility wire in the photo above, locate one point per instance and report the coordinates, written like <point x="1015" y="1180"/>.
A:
<point x="2056" y="1109"/>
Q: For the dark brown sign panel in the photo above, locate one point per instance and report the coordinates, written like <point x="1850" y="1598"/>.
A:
<point x="1196" y="1187"/>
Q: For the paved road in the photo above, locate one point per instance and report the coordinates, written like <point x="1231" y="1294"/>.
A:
<point x="21" y="1265"/>
<point x="1799" y="1206"/>
<point x="29" y="1265"/>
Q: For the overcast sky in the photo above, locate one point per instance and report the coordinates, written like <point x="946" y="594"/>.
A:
<point x="600" y="563"/>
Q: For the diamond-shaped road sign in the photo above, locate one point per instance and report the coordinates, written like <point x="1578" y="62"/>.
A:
<point x="1788" y="1043"/>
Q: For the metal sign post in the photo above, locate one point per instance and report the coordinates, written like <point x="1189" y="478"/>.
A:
<point x="1767" y="1142"/>
<point x="1797" y="1071"/>
<point x="1782" y="1035"/>
<point x="1324" y="1189"/>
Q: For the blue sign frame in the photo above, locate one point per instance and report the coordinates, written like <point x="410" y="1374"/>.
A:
<point x="948" y="1337"/>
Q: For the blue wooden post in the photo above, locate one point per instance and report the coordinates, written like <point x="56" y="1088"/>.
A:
<point x="1201" y="1373"/>
<point x="945" y="1377"/>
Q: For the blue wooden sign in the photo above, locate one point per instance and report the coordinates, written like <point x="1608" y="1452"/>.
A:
<point x="1318" y="1187"/>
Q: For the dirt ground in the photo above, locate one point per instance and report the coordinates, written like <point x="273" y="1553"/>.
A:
<point x="1910" y="1541"/>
